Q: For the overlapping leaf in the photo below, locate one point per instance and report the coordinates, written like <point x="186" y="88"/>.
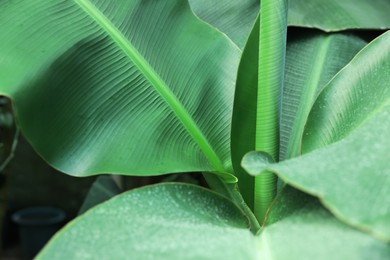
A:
<point x="335" y="15"/>
<point x="307" y="231"/>
<point x="235" y="18"/>
<point x="168" y="221"/>
<point x="352" y="97"/>
<point x="351" y="176"/>
<point x="313" y="58"/>
<point x="141" y="87"/>
<point x="255" y="124"/>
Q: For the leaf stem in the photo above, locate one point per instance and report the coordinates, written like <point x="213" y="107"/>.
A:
<point x="272" y="48"/>
<point x="231" y="191"/>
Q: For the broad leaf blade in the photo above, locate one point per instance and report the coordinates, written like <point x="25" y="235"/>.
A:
<point x="137" y="88"/>
<point x="313" y="58"/>
<point x="335" y="15"/>
<point x="169" y="221"/>
<point x="307" y="231"/>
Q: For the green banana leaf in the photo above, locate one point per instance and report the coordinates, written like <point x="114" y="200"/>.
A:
<point x="350" y="176"/>
<point x="255" y="123"/>
<point x="310" y="64"/>
<point x="313" y="58"/>
<point x="236" y="17"/>
<point x="244" y="113"/>
<point x="135" y="87"/>
<point x="208" y="227"/>
<point x="165" y="221"/>
<point x="307" y="231"/>
<point x="360" y="90"/>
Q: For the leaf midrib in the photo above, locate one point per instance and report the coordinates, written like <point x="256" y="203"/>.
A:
<point x="159" y="85"/>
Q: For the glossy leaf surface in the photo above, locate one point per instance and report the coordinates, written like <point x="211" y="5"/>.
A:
<point x="168" y="221"/>
<point x="139" y="88"/>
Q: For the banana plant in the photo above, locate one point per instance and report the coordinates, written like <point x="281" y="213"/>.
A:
<point x="288" y="125"/>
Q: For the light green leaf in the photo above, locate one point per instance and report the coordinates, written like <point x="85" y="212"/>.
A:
<point x="134" y="87"/>
<point x="351" y="177"/>
<point x="168" y="221"/>
<point x="307" y="231"/>
<point x="233" y="17"/>
<point x="313" y="58"/>
<point x="103" y="188"/>
<point x="335" y="15"/>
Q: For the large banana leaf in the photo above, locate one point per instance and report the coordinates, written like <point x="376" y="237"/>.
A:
<point x="192" y="223"/>
<point x="132" y="87"/>
<point x="166" y="221"/>
<point x="351" y="176"/>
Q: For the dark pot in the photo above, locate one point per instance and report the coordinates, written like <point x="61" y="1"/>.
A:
<point x="36" y="226"/>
